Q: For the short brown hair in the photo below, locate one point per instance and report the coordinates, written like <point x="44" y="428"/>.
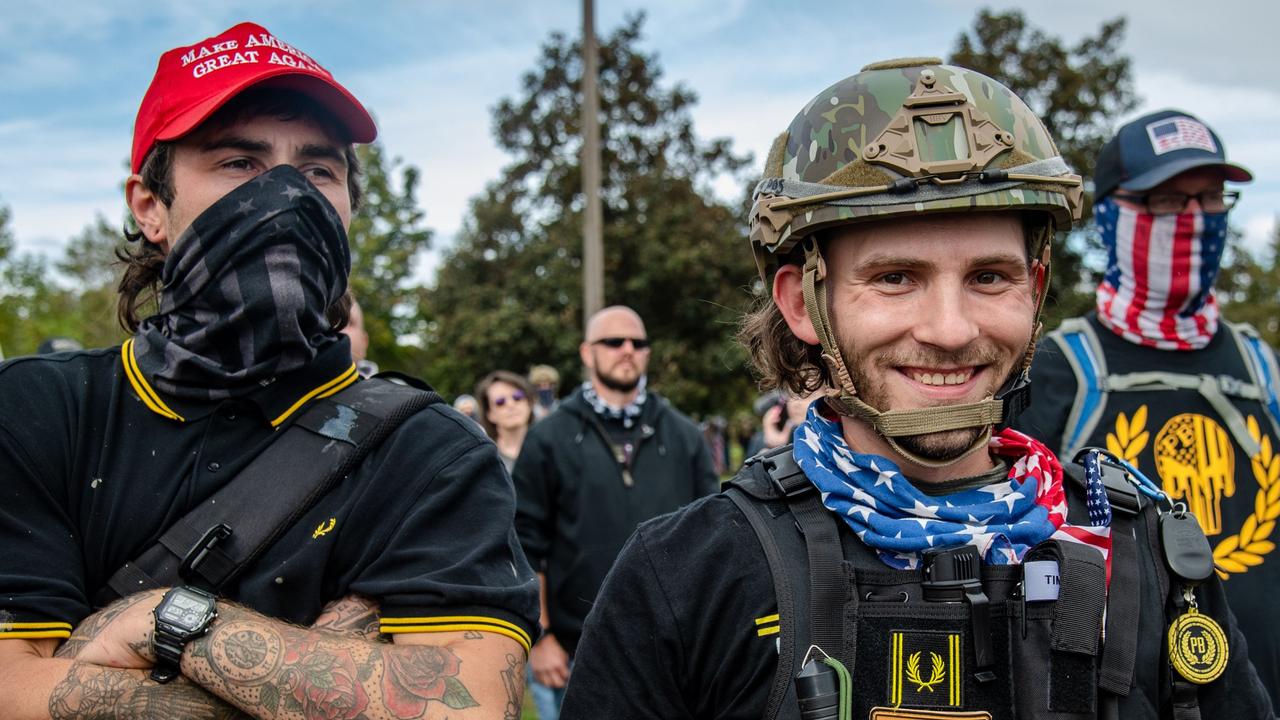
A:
<point x="482" y="396"/>
<point x="140" y="283"/>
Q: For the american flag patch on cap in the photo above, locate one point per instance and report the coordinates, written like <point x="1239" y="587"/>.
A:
<point x="1180" y="133"/>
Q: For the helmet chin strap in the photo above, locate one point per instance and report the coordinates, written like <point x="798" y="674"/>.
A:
<point x="994" y="410"/>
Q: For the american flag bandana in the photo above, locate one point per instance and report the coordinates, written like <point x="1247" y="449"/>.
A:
<point x="1158" y="287"/>
<point x="1002" y="520"/>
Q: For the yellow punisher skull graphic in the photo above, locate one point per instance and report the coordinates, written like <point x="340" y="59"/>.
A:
<point x="1196" y="462"/>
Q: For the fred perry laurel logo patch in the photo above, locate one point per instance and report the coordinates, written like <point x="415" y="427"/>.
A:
<point x="323" y="528"/>
<point x="925" y="669"/>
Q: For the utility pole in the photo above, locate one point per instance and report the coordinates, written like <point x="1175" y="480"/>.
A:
<point x="593" y="216"/>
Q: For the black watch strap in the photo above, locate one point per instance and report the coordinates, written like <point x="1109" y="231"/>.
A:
<point x="170" y="636"/>
<point x="168" y="649"/>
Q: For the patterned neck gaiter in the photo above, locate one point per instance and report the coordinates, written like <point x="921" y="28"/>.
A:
<point x="1158" y="287"/>
<point x="627" y="414"/>
<point x="1002" y="520"/>
<point x="244" y="291"/>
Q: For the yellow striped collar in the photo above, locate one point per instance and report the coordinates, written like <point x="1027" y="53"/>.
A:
<point x="272" y="398"/>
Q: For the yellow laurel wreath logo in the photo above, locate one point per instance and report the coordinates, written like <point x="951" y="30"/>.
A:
<point x="937" y="671"/>
<point x="1130" y="437"/>
<point x="323" y="528"/>
<point x="1237" y="553"/>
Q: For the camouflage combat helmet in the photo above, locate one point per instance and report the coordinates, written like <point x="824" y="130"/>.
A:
<point x="909" y="137"/>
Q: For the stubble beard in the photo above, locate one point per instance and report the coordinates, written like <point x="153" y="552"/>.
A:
<point x="936" y="446"/>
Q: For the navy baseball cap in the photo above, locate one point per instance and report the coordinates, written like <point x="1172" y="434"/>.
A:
<point x="1155" y="147"/>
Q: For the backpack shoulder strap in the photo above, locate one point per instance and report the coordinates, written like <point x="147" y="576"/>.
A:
<point x="1084" y="353"/>
<point x="826" y="582"/>
<point x="1263" y="367"/>
<point x="218" y="538"/>
<point x="744" y="492"/>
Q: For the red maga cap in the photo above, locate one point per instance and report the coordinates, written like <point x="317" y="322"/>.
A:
<point x="192" y="82"/>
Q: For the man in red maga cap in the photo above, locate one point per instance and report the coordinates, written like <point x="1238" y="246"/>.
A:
<point x="395" y="588"/>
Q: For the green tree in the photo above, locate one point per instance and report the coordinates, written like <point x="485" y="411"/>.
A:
<point x="508" y="294"/>
<point x="91" y="268"/>
<point x="1079" y="91"/>
<point x="73" y="297"/>
<point x="1249" y="286"/>
<point x="386" y="239"/>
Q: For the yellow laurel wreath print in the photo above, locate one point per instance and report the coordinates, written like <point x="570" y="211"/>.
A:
<point x="1237" y="553"/>
<point x="1130" y="437"/>
<point x="937" y="671"/>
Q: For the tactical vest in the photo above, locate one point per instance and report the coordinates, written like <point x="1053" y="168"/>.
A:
<point x="1094" y="384"/>
<point x="987" y="652"/>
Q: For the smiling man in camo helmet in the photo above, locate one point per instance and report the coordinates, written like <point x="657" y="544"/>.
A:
<point x="902" y="229"/>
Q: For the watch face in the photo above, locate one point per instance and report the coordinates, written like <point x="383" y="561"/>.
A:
<point x="184" y="610"/>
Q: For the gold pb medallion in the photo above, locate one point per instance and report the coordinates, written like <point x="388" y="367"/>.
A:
<point x="1197" y="647"/>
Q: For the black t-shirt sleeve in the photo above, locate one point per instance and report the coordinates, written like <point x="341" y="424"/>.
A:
<point x="1053" y="392"/>
<point x="42" y="591"/>
<point x="630" y="654"/>
<point x="453" y="561"/>
<point x="680" y="627"/>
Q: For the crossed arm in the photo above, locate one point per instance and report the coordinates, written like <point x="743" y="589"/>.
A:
<point x="250" y="666"/>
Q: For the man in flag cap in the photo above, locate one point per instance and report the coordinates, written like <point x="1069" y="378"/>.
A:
<point x="1157" y="376"/>
<point x="909" y="556"/>
<point x="285" y="539"/>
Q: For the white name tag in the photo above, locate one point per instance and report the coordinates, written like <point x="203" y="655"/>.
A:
<point x="1040" y="580"/>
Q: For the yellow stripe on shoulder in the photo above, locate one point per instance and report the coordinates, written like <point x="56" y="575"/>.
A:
<point x="767" y="619"/>
<point x="771" y="630"/>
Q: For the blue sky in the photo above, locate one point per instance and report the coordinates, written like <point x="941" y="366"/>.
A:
<point x="72" y="74"/>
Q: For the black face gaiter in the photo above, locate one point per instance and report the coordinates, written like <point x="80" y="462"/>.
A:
<point x="244" y="291"/>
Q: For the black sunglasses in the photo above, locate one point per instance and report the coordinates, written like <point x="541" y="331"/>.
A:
<point x="617" y="342"/>
<point x="516" y="396"/>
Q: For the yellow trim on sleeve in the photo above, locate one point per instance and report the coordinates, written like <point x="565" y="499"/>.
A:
<point x="767" y="619"/>
<point x="149" y="396"/>
<point x="459" y="622"/>
<point x="35" y="634"/>
<point x="347" y="377"/>
<point x="34" y="630"/>
<point x="518" y="636"/>
<point x="771" y="630"/>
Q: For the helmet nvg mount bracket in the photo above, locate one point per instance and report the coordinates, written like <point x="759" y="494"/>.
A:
<point x="904" y="138"/>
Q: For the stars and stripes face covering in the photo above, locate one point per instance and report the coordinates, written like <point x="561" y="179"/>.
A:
<point x="1002" y="520"/>
<point x="244" y="290"/>
<point x="1158" y="287"/>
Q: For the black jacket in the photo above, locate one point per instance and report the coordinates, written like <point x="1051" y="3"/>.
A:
<point x="574" y="508"/>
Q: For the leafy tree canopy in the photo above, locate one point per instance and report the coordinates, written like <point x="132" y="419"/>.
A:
<point x="509" y="293"/>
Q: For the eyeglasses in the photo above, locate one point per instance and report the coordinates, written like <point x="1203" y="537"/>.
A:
<point x="516" y="396"/>
<point x="617" y="342"/>
<point x="1211" y="201"/>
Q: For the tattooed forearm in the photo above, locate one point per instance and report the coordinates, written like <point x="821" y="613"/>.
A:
<point x="513" y="681"/>
<point x="352" y="615"/>
<point x="91" y="692"/>
<point x="270" y="669"/>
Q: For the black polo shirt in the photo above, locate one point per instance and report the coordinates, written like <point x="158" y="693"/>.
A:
<point x="95" y="464"/>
